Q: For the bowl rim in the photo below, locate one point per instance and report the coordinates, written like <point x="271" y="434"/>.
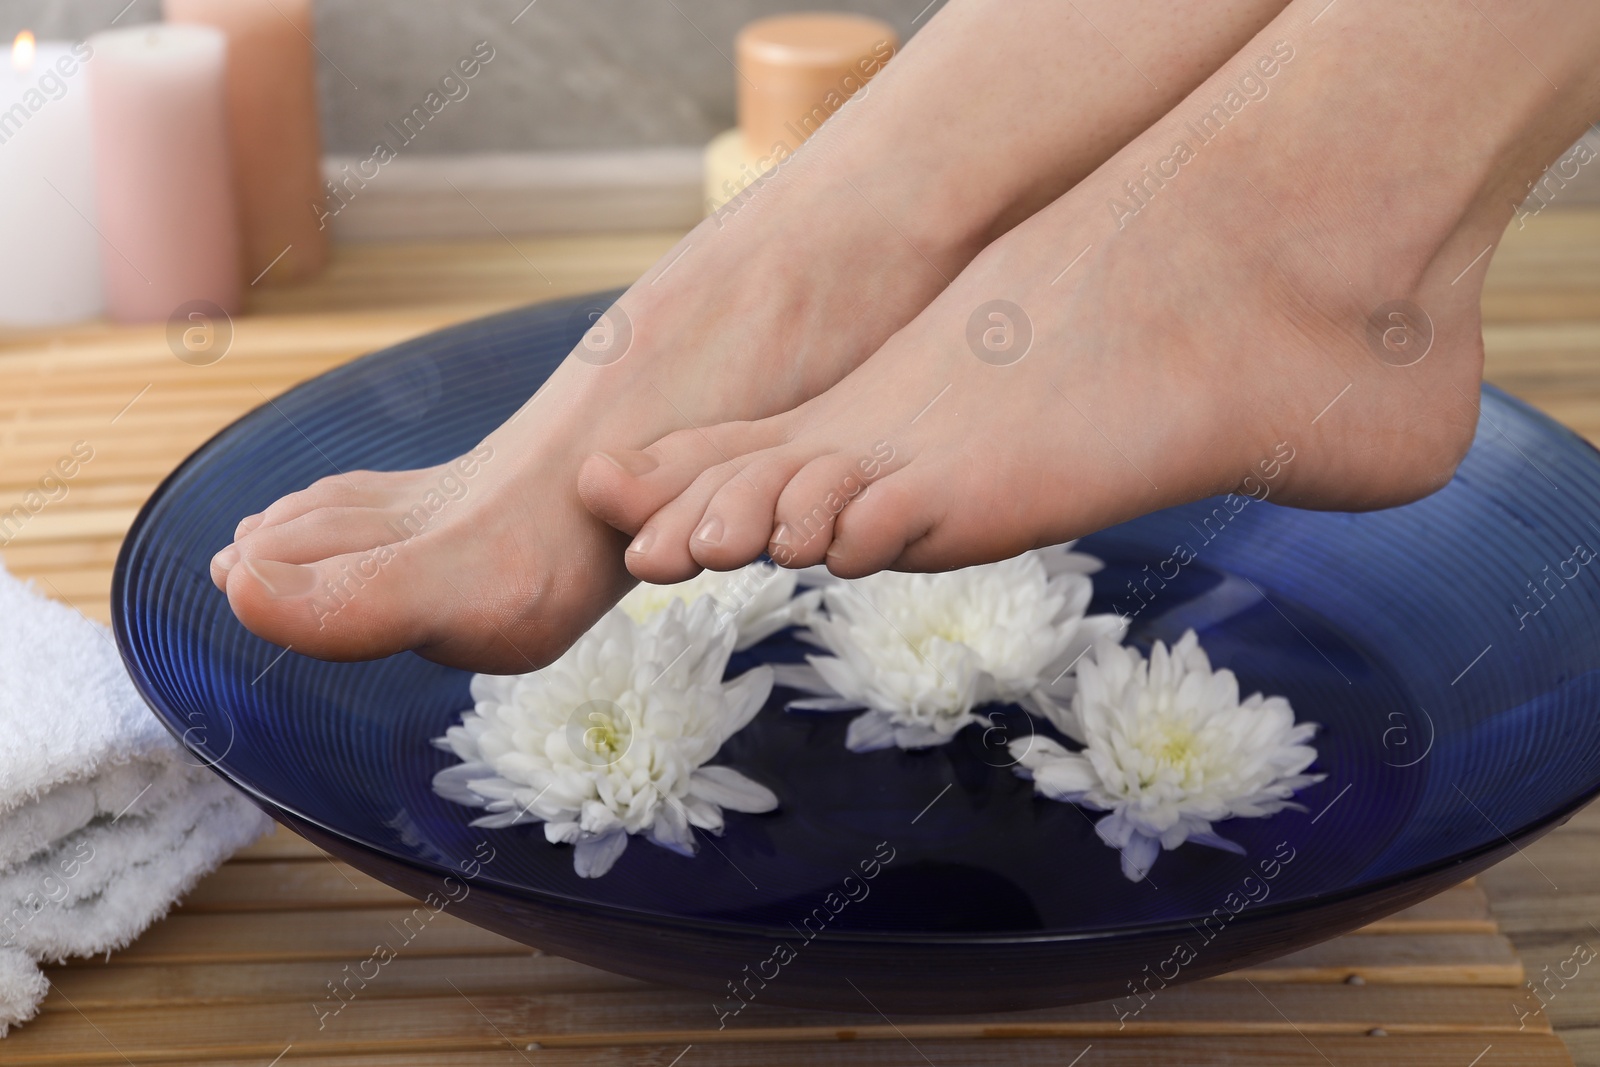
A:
<point x="1253" y="914"/>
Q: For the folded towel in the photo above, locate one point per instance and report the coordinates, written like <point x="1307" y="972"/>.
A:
<point x="104" y="819"/>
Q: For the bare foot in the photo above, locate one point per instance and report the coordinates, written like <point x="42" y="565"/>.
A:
<point x="1291" y="308"/>
<point x="757" y="310"/>
<point x="490" y="561"/>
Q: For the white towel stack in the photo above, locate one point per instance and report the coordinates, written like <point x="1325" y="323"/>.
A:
<point x="104" y="819"/>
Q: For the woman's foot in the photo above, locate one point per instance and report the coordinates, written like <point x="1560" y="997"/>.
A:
<point x="490" y="561"/>
<point x="1290" y="309"/>
<point x="759" y="309"/>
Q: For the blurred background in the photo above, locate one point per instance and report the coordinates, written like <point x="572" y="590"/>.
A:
<point x="582" y="95"/>
<point x="577" y="74"/>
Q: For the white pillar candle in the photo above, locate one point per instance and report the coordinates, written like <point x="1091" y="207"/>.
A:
<point x="159" y="108"/>
<point x="49" y="250"/>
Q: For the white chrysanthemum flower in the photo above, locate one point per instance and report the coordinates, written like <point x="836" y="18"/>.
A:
<point x="758" y="600"/>
<point x="611" y="739"/>
<point x="1169" y="749"/>
<point x="921" y="651"/>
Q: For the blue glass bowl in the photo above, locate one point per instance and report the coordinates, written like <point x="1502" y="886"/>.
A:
<point x="1449" y="649"/>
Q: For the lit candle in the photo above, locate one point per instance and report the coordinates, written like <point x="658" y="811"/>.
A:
<point x="158" y="105"/>
<point x="49" y="252"/>
<point x="272" y="116"/>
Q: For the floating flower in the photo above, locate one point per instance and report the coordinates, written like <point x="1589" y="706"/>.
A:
<point x="1168" y="750"/>
<point x="921" y="651"/>
<point x="612" y="738"/>
<point x="758" y="600"/>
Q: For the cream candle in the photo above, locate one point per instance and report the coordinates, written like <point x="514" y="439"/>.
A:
<point x="165" y="187"/>
<point x="49" y="251"/>
<point x="272" y="123"/>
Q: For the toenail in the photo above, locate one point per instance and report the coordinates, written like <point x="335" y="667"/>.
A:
<point x="642" y="543"/>
<point x="633" y="463"/>
<point x="778" y="548"/>
<point x="282" y="579"/>
<point x="225" y="559"/>
<point x="246" y="525"/>
<point x="710" y="532"/>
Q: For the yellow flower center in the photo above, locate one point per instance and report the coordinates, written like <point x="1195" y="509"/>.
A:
<point x="1172" y="743"/>
<point x="954" y="630"/>
<point x="1177" y="746"/>
<point x="604" y="735"/>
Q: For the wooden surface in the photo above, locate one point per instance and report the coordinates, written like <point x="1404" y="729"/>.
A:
<point x="240" y="973"/>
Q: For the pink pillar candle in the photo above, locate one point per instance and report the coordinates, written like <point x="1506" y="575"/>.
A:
<point x="276" y="146"/>
<point x="167" y="218"/>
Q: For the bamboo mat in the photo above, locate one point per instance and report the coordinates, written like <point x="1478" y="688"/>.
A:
<point x="241" y="972"/>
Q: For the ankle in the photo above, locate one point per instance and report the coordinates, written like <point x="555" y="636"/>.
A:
<point x="1393" y="176"/>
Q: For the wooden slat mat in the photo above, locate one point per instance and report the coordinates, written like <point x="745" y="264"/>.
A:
<point x="241" y="972"/>
<point x="237" y="975"/>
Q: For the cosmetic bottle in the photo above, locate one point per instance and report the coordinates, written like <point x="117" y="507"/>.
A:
<point x="793" y="72"/>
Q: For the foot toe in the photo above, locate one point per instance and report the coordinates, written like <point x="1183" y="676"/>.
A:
<point x="660" y="553"/>
<point x="314" y="536"/>
<point x="350" y="607"/>
<point x="355" y="489"/>
<point x="935" y="514"/>
<point x="737" y="524"/>
<point x="810" y="505"/>
<point x="366" y="605"/>
<point x="873" y="532"/>
<point x="625" y="488"/>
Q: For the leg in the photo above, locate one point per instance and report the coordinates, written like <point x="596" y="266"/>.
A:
<point x="994" y="109"/>
<point x="1234" y="321"/>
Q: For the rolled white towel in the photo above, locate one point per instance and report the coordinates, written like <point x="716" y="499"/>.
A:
<point x="104" y="819"/>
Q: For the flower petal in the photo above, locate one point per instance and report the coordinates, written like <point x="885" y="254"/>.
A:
<point x="742" y="698"/>
<point x="1060" y="559"/>
<point x="498" y="820"/>
<point x="1138" y="856"/>
<point x="802" y="676"/>
<point x="671" y="829"/>
<point x="594" y="856"/>
<point x="823" y="704"/>
<point x="727" y="788"/>
<point x="1212" y="839"/>
<point x="869" y="732"/>
<point x="1064" y="778"/>
<point x="919" y="736"/>
<point x="451" y="783"/>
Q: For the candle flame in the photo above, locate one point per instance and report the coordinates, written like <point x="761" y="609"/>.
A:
<point x="22" y="51"/>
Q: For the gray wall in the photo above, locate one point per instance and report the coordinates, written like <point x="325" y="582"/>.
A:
<point x="569" y="74"/>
